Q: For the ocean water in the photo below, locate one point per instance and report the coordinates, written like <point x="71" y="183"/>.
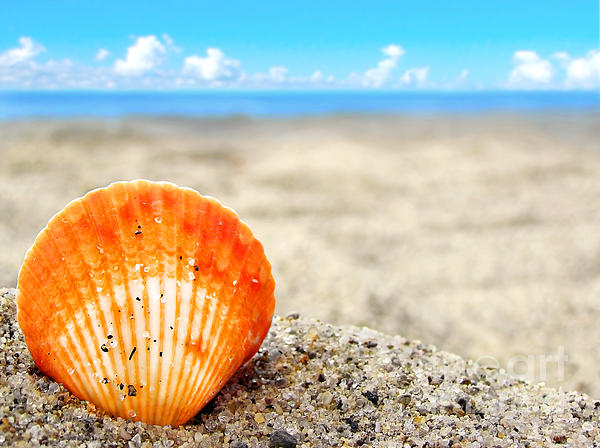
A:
<point x="20" y="105"/>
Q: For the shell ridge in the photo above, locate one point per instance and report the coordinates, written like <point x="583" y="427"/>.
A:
<point x="174" y="382"/>
<point x="169" y="308"/>
<point x="158" y="371"/>
<point x="194" y="379"/>
<point x="167" y="277"/>
<point x="207" y="390"/>
<point x="224" y="346"/>
<point x="267" y="290"/>
<point x="167" y="330"/>
<point x="81" y="373"/>
<point x="29" y="285"/>
<point x="194" y="382"/>
<point x="223" y="372"/>
<point x="179" y="343"/>
<point x="77" y="372"/>
<point x="155" y="288"/>
<point x="243" y="303"/>
<point x="208" y="333"/>
<point x="210" y="306"/>
<point x="25" y="312"/>
<point x="104" y="396"/>
<point x="78" y="386"/>
<point x="139" y="324"/>
<point x="201" y="395"/>
<point x="183" y="334"/>
<point x="237" y="292"/>
<point x="155" y="315"/>
<point x="214" y="335"/>
<point x="113" y="366"/>
<point x="197" y="308"/>
<point x="239" y="299"/>
<point x="22" y="292"/>
<point x="126" y="334"/>
<point x="250" y="302"/>
<point x="142" y="249"/>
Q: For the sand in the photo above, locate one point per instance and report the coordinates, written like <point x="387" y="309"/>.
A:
<point x="311" y="385"/>
<point x="480" y="235"/>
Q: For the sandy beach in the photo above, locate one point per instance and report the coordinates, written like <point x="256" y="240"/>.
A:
<point x="480" y="235"/>
<point x="311" y="385"/>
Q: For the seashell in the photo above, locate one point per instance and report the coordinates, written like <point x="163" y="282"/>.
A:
<point x="145" y="298"/>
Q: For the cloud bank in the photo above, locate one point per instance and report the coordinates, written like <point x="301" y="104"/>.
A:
<point x="151" y="62"/>
<point x="559" y="71"/>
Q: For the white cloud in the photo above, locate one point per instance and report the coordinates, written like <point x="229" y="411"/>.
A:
<point x="275" y="76"/>
<point x="463" y="75"/>
<point x="584" y="72"/>
<point x="28" y="50"/>
<point x="214" y="67"/>
<point x="415" y="76"/>
<point x="143" y="56"/>
<point x="278" y="73"/>
<point x="102" y="54"/>
<point x="378" y="76"/>
<point x="530" y="70"/>
<point x="393" y="51"/>
<point x="54" y="74"/>
<point x="317" y="76"/>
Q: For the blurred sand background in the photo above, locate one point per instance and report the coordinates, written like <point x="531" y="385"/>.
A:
<point x="478" y="234"/>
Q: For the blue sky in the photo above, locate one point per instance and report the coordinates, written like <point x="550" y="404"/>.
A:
<point x="435" y="45"/>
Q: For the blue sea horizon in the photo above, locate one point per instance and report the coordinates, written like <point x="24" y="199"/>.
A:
<point x="116" y="104"/>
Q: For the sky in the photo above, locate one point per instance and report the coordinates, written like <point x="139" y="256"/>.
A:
<point x="346" y="45"/>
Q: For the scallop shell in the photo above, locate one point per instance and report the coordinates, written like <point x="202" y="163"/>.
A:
<point x="145" y="298"/>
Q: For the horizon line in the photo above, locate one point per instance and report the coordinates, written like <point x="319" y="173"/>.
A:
<point x="302" y="91"/>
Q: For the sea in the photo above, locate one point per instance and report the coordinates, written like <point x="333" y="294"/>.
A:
<point x="94" y="104"/>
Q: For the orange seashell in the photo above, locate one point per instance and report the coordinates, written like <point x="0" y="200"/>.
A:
<point x="145" y="298"/>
